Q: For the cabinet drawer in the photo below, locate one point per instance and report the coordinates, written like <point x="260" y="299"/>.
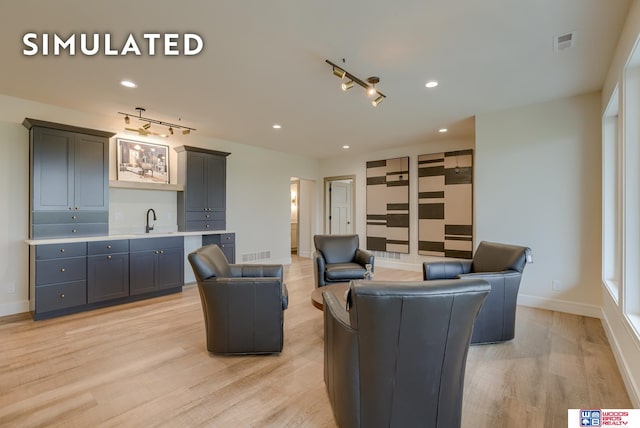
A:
<point x="58" y="251"/>
<point x="219" y="239"/>
<point x="60" y="270"/>
<point x="205" y="215"/>
<point x="69" y="230"/>
<point x="191" y="226"/>
<point x="146" y="244"/>
<point x="60" y="296"/>
<point x="108" y="247"/>
<point x="70" y="217"/>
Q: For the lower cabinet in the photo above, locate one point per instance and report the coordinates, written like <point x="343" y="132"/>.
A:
<point x="107" y="270"/>
<point x="156" y="264"/>
<point x="226" y="242"/>
<point x="79" y="276"/>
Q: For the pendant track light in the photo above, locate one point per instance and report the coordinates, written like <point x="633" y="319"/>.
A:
<point x="369" y="85"/>
<point x="144" y="129"/>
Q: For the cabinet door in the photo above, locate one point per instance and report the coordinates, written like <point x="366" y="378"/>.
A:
<point x="142" y="272"/>
<point x="52" y="169"/>
<point x="229" y="251"/>
<point x="169" y="268"/>
<point x="216" y="183"/>
<point x="196" y="197"/>
<point x="107" y="277"/>
<point x="90" y="183"/>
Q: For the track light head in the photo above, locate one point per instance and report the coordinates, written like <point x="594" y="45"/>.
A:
<point x="337" y="71"/>
<point x="146" y="126"/>
<point x="347" y="85"/>
<point x="127" y="120"/>
<point x="186" y="131"/>
<point x="377" y="101"/>
<point x="171" y="130"/>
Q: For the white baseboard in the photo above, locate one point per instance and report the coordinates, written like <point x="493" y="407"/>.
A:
<point x="305" y="254"/>
<point x="14" y="308"/>
<point x="632" y="388"/>
<point x="560" y="305"/>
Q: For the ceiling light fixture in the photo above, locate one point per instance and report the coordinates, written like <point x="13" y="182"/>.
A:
<point x="346" y="147"/>
<point x="144" y="129"/>
<point x="128" y="84"/>
<point x="368" y="85"/>
<point x="442" y="130"/>
<point x="276" y="126"/>
<point x="431" y="84"/>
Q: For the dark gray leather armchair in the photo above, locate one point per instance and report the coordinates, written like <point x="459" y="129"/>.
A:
<point x="243" y="305"/>
<point x="338" y="259"/>
<point x="501" y="265"/>
<point x="397" y="356"/>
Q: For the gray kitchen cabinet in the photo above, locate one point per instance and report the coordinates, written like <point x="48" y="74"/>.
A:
<point x="69" y="180"/>
<point x="156" y="264"/>
<point x="107" y="270"/>
<point x="226" y="242"/>
<point x="58" y="277"/>
<point x="202" y="203"/>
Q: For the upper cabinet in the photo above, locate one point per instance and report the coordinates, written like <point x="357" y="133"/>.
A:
<point x="202" y="204"/>
<point x="69" y="180"/>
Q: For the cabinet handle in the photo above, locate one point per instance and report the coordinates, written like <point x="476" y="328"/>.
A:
<point x="228" y="238"/>
<point x="73" y="217"/>
<point x="70" y="209"/>
<point x="61" y="269"/>
<point x="156" y="252"/>
<point x="161" y="251"/>
<point x="108" y="257"/>
<point x="108" y="247"/>
<point x="207" y="216"/>
<point x="222" y="245"/>
<point x="62" y="250"/>
<point x="73" y="231"/>
<point x="207" y="226"/>
<point x="62" y="295"/>
<point x="76" y="208"/>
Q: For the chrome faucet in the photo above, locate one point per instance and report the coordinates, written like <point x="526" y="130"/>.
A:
<point x="149" y="228"/>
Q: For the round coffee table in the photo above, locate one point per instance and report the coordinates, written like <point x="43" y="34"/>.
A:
<point x="338" y="289"/>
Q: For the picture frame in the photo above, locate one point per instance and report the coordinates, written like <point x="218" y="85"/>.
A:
<point x="142" y="162"/>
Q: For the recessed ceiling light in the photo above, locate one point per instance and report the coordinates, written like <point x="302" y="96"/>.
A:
<point x="276" y="126"/>
<point x="128" y="84"/>
<point x="431" y="84"/>
<point x="346" y="147"/>
<point x="442" y="130"/>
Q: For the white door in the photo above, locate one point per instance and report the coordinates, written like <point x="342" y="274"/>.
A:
<point x="340" y="202"/>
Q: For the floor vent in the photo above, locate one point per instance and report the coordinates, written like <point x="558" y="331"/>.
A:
<point x="258" y="255"/>
<point x="386" y="255"/>
<point x="564" y="41"/>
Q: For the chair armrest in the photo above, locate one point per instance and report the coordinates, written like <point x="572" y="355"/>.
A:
<point x="285" y="296"/>
<point x="341" y="365"/>
<point x="319" y="266"/>
<point x="256" y="271"/>
<point x="364" y="257"/>
<point x="493" y="276"/>
<point x="446" y="269"/>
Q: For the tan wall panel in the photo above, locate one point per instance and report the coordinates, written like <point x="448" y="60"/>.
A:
<point x="457" y="204"/>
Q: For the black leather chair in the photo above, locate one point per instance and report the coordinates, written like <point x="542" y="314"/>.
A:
<point x="338" y="259"/>
<point x="397" y="356"/>
<point x="243" y="305"/>
<point x="501" y="265"/>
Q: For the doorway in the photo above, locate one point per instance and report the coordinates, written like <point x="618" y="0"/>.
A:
<point x="295" y="217"/>
<point x="339" y="203"/>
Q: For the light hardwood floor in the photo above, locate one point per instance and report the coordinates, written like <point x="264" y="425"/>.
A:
<point x="145" y="364"/>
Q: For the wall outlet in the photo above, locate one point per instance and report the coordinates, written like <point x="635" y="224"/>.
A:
<point x="556" y="285"/>
<point x="11" y="287"/>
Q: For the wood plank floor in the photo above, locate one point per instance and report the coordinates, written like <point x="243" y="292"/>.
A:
<point x="145" y="364"/>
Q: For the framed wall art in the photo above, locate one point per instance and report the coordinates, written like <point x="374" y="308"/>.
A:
<point x="142" y="162"/>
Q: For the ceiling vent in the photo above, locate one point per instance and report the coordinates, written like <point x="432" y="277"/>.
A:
<point x="564" y="41"/>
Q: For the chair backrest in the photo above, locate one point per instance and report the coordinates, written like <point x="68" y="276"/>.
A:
<point x="494" y="257"/>
<point x="413" y="339"/>
<point x="337" y="248"/>
<point x="209" y="261"/>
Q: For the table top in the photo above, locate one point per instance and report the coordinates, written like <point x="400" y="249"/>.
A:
<point x="338" y="289"/>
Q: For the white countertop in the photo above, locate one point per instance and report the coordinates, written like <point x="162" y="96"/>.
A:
<point x="123" y="236"/>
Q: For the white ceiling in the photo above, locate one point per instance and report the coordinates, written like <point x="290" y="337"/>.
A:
<point x="263" y="63"/>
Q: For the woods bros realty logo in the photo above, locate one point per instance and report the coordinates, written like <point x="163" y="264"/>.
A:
<point x="149" y="44"/>
<point x="604" y="418"/>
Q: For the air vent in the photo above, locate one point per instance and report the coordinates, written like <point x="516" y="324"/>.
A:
<point x="564" y="41"/>
<point x="386" y="255"/>
<point x="258" y="255"/>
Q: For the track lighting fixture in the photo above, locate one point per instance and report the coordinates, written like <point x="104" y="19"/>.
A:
<point x="369" y="85"/>
<point x="144" y="129"/>
<point x="347" y="85"/>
